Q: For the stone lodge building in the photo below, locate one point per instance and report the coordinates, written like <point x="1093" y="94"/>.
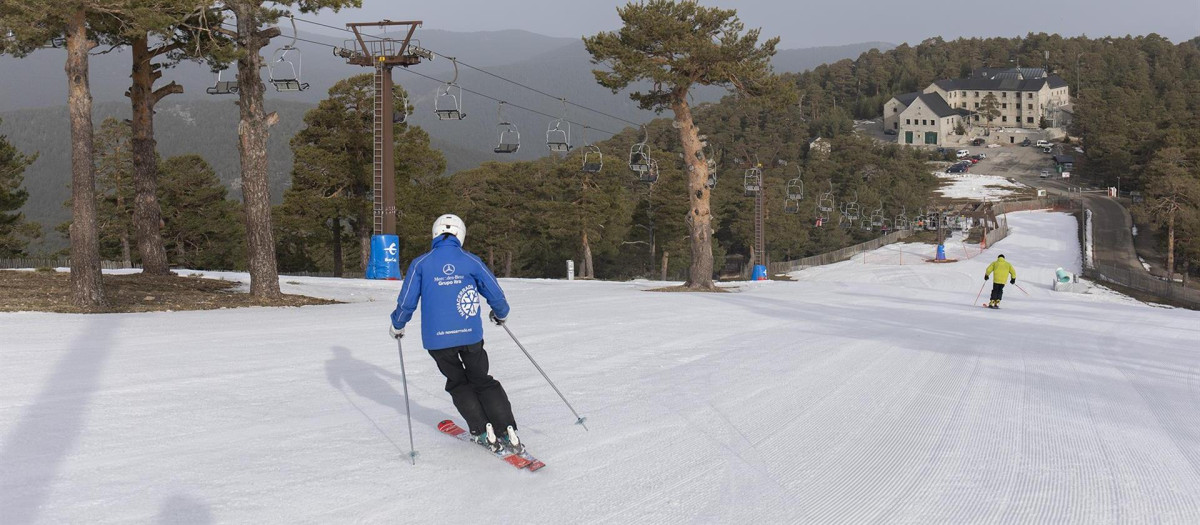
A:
<point x="1023" y="95"/>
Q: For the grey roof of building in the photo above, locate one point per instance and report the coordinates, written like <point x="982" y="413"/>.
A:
<point x="938" y="105"/>
<point x="1064" y="159"/>
<point x="908" y="98"/>
<point x="1009" y="79"/>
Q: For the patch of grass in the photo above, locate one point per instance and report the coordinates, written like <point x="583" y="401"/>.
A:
<point x="51" y="292"/>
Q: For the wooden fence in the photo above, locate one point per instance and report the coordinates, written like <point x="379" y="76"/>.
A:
<point x="63" y="262"/>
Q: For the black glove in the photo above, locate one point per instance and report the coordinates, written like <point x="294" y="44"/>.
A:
<point x="985" y="277"/>
<point x="498" y="320"/>
<point x="1012" y="281"/>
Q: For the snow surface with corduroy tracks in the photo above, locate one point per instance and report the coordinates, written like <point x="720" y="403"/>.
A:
<point x="875" y="390"/>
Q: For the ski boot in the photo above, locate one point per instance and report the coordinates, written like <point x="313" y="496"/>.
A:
<point x="512" y="442"/>
<point x="488" y="439"/>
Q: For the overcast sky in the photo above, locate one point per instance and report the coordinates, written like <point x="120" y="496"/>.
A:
<point x="803" y="23"/>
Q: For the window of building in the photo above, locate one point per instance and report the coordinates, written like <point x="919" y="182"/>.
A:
<point x="907" y="121"/>
<point x="1003" y="94"/>
<point x="976" y="105"/>
<point x="1029" y="106"/>
<point x="977" y="93"/>
<point x="964" y="93"/>
<point x="1029" y="95"/>
<point x="1004" y="119"/>
<point x="1004" y="105"/>
<point x="1029" y="120"/>
<point x="894" y="110"/>
<point x="923" y="122"/>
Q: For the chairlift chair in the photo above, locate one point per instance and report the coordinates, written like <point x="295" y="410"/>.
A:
<point x="791" y="206"/>
<point x="286" y="79"/>
<point x="639" y="155"/>
<point x="650" y="176"/>
<point x="557" y="138"/>
<point x="447" y="100"/>
<point x="877" y="218"/>
<point x="753" y="180"/>
<point x="400" y="116"/>
<point x="510" y="136"/>
<point x="593" y="158"/>
<point x="222" y="87"/>
<point x="795" y="190"/>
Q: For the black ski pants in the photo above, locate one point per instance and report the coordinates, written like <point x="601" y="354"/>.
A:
<point x="997" y="291"/>
<point x="477" y="396"/>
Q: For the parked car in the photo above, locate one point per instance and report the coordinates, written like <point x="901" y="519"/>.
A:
<point x="1043" y="143"/>
<point x="889" y="131"/>
<point x="977" y="142"/>
<point x="956" y="169"/>
<point x="1026" y="142"/>
<point x="1045" y="174"/>
<point x="1047" y="149"/>
<point x="962" y="153"/>
<point x="979" y="156"/>
<point x="974" y="160"/>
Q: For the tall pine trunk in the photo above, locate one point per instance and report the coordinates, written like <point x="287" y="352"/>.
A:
<point x="700" y="212"/>
<point x="336" y="230"/>
<point x="147" y="217"/>
<point x="252" y="145"/>
<point x="86" y="289"/>
<point x="1171" y="247"/>
<point x="587" y="272"/>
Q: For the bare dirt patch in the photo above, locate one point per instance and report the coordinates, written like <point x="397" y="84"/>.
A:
<point x="49" y="291"/>
<point x="714" y="289"/>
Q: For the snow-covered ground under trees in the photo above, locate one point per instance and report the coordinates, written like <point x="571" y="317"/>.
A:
<point x="976" y="186"/>
<point x="860" y="393"/>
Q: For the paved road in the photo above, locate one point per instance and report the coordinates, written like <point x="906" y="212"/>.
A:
<point x="1112" y="235"/>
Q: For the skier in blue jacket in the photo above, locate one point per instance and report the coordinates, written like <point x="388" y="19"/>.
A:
<point x="448" y="281"/>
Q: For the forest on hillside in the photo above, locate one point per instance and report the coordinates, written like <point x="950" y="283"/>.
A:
<point x="1137" y="103"/>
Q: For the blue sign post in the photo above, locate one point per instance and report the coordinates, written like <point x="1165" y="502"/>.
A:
<point x="385" y="257"/>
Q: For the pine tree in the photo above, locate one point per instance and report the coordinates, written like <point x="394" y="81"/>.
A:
<point x="254" y="127"/>
<point x="28" y="26"/>
<point x="175" y="30"/>
<point x="676" y="46"/>
<point x="15" y="233"/>
<point x="114" y="189"/>
<point x="989" y="109"/>
<point x="330" y="200"/>
<point x="202" y="227"/>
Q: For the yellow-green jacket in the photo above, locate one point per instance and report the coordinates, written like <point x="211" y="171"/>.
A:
<point x="1002" y="271"/>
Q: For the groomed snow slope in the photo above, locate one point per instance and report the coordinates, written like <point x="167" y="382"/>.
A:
<point x="862" y="393"/>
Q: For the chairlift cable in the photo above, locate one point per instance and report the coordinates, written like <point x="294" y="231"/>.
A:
<point x="466" y="65"/>
<point x="467" y="90"/>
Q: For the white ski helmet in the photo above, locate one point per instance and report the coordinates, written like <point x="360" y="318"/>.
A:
<point x="450" y="223"/>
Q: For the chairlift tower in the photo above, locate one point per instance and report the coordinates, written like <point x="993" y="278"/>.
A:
<point x="383" y="54"/>
<point x="760" y="239"/>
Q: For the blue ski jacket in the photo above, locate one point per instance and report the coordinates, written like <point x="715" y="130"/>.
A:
<point x="450" y="281"/>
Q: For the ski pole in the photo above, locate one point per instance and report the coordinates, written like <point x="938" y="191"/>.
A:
<point x="412" y="451"/>
<point x="578" y="420"/>
<point x="1021" y="289"/>
<point x="979" y="294"/>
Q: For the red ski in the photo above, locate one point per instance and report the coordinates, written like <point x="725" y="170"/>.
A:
<point x="520" y="460"/>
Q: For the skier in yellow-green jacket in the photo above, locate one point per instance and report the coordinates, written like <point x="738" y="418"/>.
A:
<point x="1003" y="271"/>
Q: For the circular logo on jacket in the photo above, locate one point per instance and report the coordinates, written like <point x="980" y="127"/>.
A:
<point x="468" y="302"/>
<point x="448" y="269"/>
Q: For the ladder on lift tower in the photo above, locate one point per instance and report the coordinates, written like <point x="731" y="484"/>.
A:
<point x="760" y="251"/>
<point x="377" y="182"/>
